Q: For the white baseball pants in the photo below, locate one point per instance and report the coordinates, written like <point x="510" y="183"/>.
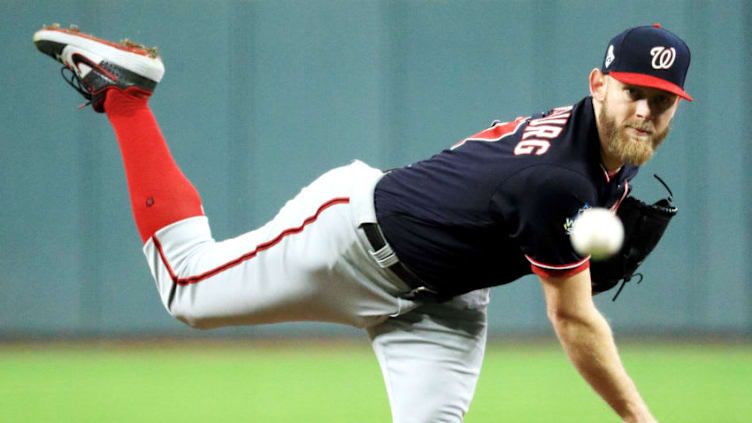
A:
<point x="311" y="262"/>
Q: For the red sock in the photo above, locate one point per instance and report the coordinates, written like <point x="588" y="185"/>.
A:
<point x="160" y="193"/>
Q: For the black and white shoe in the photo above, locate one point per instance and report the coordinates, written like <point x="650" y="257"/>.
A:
<point x="93" y="66"/>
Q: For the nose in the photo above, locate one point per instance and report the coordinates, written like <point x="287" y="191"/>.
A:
<point x="642" y="110"/>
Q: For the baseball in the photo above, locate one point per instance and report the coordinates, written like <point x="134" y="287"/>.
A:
<point x="597" y="232"/>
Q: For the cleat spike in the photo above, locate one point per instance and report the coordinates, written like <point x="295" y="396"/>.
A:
<point x="93" y="66"/>
<point x="153" y="52"/>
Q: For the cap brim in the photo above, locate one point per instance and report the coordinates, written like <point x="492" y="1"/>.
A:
<point x="650" y="81"/>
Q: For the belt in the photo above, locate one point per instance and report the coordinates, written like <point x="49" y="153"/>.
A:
<point x="386" y="258"/>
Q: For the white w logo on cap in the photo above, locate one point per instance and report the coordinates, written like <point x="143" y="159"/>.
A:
<point x="663" y="58"/>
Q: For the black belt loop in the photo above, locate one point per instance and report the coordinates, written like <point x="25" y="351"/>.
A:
<point x="383" y="254"/>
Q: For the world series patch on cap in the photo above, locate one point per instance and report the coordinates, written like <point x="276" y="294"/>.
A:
<point x="649" y="56"/>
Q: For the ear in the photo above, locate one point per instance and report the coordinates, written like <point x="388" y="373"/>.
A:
<point x="598" y="85"/>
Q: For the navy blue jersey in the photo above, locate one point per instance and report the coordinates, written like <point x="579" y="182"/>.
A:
<point x="499" y="205"/>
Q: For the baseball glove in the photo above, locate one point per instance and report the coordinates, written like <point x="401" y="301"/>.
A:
<point x="644" y="225"/>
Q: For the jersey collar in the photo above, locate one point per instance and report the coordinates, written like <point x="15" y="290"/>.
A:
<point x="610" y="175"/>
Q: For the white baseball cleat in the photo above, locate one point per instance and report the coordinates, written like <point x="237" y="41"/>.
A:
<point x="94" y="66"/>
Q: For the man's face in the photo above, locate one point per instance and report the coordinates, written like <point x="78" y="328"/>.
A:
<point x="635" y="120"/>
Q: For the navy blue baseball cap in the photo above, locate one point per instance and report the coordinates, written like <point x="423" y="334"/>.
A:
<point x="649" y="56"/>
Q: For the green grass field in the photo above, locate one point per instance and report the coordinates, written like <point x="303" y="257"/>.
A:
<point x="204" y="381"/>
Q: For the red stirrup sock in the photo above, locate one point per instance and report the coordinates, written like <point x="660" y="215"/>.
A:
<point x="160" y="193"/>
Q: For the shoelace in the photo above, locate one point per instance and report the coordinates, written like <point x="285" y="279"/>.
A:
<point x="74" y="81"/>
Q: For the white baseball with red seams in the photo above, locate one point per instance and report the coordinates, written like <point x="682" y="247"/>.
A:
<point x="597" y="232"/>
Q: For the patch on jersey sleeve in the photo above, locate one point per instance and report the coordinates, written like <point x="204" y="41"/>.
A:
<point x="569" y="222"/>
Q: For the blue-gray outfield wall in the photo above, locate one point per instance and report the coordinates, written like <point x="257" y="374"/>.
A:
<point x="262" y="96"/>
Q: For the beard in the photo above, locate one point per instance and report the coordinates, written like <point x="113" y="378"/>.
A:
<point x="625" y="147"/>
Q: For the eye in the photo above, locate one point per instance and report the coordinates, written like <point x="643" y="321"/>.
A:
<point x="633" y="93"/>
<point x="663" y="101"/>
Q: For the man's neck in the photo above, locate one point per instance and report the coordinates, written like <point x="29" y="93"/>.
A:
<point x="610" y="164"/>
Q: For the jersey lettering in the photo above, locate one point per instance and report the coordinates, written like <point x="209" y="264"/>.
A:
<point x="525" y="147"/>
<point x="534" y="139"/>
<point x="544" y="131"/>
<point x="548" y="128"/>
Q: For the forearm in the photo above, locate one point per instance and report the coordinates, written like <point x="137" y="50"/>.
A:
<point x="590" y="346"/>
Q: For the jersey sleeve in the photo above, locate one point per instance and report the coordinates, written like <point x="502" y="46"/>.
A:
<point x="538" y="206"/>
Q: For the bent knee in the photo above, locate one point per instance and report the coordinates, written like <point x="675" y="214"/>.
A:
<point x="198" y="320"/>
<point x="194" y="316"/>
<point x="195" y="322"/>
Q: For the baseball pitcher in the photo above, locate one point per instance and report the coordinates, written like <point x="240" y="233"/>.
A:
<point x="409" y="254"/>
